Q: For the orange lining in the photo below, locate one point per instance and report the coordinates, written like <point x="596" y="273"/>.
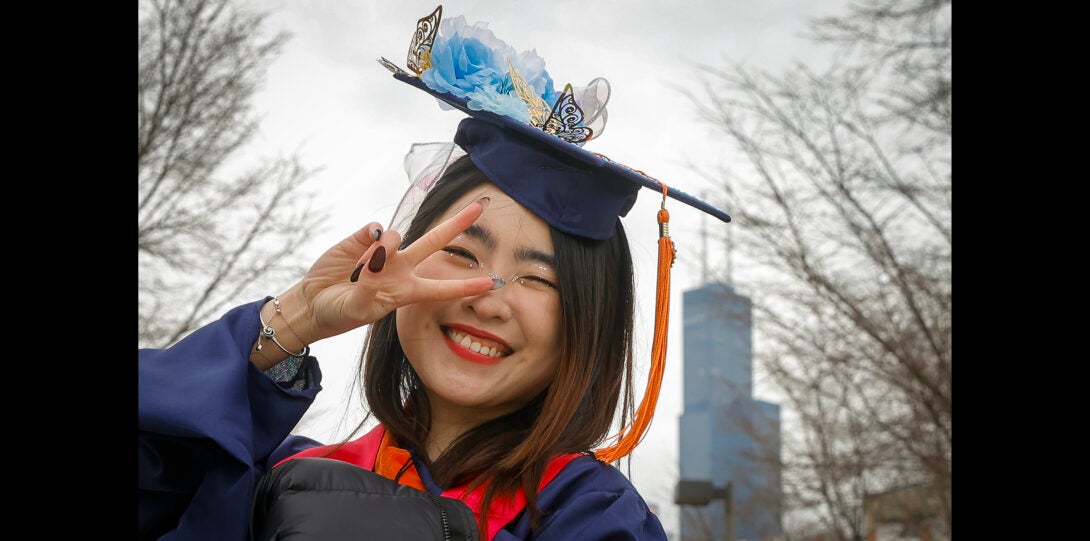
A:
<point x="391" y="459"/>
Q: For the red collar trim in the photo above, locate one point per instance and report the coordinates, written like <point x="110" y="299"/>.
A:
<point x="364" y="451"/>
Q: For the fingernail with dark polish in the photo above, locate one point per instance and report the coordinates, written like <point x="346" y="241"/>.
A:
<point x="356" y="273"/>
<point x="378" y="233"/>
<point x="378" y="259"/>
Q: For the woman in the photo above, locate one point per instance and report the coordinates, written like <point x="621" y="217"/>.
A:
<point x="499" y="352"/>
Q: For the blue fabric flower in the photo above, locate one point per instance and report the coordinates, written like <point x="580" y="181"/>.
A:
<point x="470" y="62"/>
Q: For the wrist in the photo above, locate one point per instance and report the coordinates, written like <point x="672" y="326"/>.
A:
<point x="283" y="332"/>
<point x="290" y="314"/>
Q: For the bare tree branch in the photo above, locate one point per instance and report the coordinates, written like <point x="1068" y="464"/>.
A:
<point x="209" y="225"/>
<point x="842" y="223"/>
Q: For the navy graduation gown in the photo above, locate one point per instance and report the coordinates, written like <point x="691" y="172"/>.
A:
<point x="210" y="424"/>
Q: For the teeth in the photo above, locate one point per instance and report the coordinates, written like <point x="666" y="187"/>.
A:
<point x="467" y="342"/>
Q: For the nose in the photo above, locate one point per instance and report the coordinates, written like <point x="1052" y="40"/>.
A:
<point x="492" y="304"/>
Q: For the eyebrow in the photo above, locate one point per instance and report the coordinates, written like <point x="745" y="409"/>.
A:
<point x="531" y="254"/>
<point x="481" y="234"/>
<point x="485" y="237"/>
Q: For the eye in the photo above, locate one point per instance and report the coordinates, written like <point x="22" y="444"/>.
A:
<point x="537" y="276"/>
<point x="462" y="257"/>
<point x="535" y="282"/>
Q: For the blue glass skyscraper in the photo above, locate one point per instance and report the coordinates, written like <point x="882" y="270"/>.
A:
<point x="725" y="434"/>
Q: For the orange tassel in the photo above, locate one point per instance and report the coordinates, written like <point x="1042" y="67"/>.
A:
<point x="634" y="432"/>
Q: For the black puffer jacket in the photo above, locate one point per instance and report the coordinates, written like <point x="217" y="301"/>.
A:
<point x="318" y="499"/>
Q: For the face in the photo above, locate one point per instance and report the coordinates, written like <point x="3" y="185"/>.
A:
<point x="484" y="356"/>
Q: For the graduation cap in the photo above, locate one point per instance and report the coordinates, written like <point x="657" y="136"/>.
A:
<point x="528" y="139"/>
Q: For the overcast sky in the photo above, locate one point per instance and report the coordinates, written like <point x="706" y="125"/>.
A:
<point x="328" y="99"/>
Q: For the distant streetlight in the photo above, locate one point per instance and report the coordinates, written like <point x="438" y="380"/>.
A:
<point x="701" y="492"/>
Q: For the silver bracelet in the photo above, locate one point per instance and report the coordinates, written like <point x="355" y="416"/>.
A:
<point x="269" y="333"/>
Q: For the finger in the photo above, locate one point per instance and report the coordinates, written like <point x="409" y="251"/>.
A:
<point x="445" y="290"/>
<point x="390" y="239"/>
<point x="442" y="234"/>
<point x="372" y="258"/>
<point x="368" y="234"/>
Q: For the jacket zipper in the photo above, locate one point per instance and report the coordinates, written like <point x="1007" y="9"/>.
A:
<point x="443" y="516"/>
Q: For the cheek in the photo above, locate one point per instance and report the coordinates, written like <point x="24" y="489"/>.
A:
<point x="412" y="334"/>
<point x="544" y="370"/>
<point x="407" y="322"/>
<point x="417" y="324"/>
<point x="543" y="325"/>
<point x="549" y="330"/>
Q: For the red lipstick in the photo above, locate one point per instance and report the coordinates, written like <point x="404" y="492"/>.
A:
<point x="469" y="354"/>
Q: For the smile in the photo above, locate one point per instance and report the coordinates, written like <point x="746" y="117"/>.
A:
<point x="476" y="344"/>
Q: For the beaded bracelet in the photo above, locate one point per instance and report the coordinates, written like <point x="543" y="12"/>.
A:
<point x="276" y="304"/>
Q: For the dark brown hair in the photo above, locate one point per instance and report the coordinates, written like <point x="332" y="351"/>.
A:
<point x="574" y="413"/>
